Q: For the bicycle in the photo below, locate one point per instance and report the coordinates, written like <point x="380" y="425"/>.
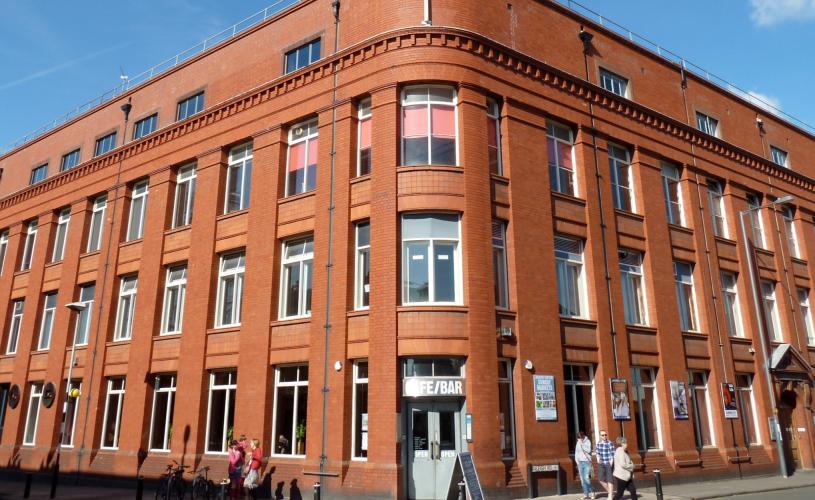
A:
<point x="202" y="487"/>
<point x="172" y="485"/>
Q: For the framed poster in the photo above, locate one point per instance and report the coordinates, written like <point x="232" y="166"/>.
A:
<point x="679" y="399"/>
<point x="620" y="407"/>
<point x="545" y="402"/>
<point x="729" y="398"/>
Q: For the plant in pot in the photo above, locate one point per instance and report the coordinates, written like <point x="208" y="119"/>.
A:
<point x="300" y="434"/>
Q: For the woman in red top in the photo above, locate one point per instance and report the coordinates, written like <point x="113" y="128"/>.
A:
<point x="254" y="457"/>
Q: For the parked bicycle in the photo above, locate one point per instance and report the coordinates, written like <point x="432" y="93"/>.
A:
<point x="202" y="487"/>
<point x="172" y="485"/>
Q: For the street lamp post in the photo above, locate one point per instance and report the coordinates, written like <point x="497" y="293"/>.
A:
<point x="782" y="459"/>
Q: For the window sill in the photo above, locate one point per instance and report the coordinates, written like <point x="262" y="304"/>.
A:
<point x="627" y="213"/>
<point x="505" y="311"/>
<point x="293" y="457"/>
<point x="168" y="335"/>
<point x="224" y="329"/>
<point x="420" y="168"/>
<point x="162" y="452"/>
<point x="298" y="196"/>
<point x="694" y="333"/>
<point x="53" y="264"/>
<point x="119" y="342"/>
<point x="642" y="328"/>
<point x="724" y="239"/>
<point x="231" y="214"/>
<point x="108" y="450"/>
<point x="432" y="308"/>
<point x="89" y="254"/>
<point x="499" y="178"/>
<point x="179" y="229"/>
<point x="41" y="351"/>
<point x="360" y="178"/>
<point x="358" y="312"/>
<point x="680" y="228"/>
<point x="216" y="453"/>
<point x="579" y="321"/>
<point x="130" y="242"/>
<point x="359" y="459"/>
<point x="22" y="272"/>
<point x="568" y="197"/>
<point x="799" y="260"/>
<point x="291" y="321"/>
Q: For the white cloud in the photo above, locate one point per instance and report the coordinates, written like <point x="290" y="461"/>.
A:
<point x="771" y="12"/>
<point x="766" y="102"/>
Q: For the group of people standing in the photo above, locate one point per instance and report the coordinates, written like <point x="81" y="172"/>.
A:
<point x="615" y="469"/>
<point x="245" y="457"/>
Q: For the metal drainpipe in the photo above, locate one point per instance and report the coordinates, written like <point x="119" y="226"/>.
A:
<point x="335" y="6"/>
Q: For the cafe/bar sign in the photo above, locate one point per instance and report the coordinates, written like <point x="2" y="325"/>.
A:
<point x="419" y="387"/>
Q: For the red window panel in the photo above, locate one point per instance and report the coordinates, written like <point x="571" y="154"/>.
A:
<point x="443" y="119"/>
<point x="414" y="121"/>
<point x="297" y="156"/>
<point x="365" y="134"/>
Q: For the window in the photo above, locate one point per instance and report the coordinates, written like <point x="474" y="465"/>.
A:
<point x="634" y="304"/>
<point x="789" y="226"/>
<point x="184" y="196"/>
<point x="28" y="245"/>
<point x="230" y="290"/>
<point x="360" y="402"/>
<point x="290" y="410"/>
<point x="127" y="308"/>
<point x="770" y="310"/>
<point x="673" y="196"/>
<point x="83" y="318"/>
<point x="580" y="408"/>
<point x="302" y="162"/>
<point x="645" y="407"/>
<point x="756" y="226"/>
<point x="221" y="410"/>
<point x="615" y="84"/>
<point x="49" y="308"/>
<point x="707" y="124"/>
<point x="433" y="367"/>
<point x="499" y="264"/>
<point x="747" y="405"/>
<point x="97" y="219"/>
<point x="138" y="207"/>
<point x="3" y="249"/>
<point x="105" y="144"/>
<point x="702" y="416"/>
<point x="730" y="300"/>
<point x="161" y="426"/>
<point x="619" y="161"/>
<point x="683" y="277"/>
<point x="71" y="411"/>
<point x="364" y="137"/>
<point x="14" y="327"/>
<point x="430" y="259"/>
<point x="175" y="289"/>
<point x="803" y="305"/>
<point x="69" y="160"/>
<point x="238" y="178"/>
<point x="33" y="414"/>
<point x="38" y="174"/>
<point x="190" y="106"/>
<point x="506" y="413"/>
<point x="363" y="269"/>
<point x="494" y="136"/>
<point x="570" y="278"/>
<point x="429" y="126"/>
<point x="113" y="412"/>
<point x="295" y="278"/>
<point x="714" y="190"/>
<point x="302" y="56"/>
<point x="779" y="156"/>
<point x="60" y="235"/>
<point x="145" y="126"/>
<point x="560" y="150"/>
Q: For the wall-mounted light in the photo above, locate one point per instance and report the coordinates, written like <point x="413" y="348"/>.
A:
<point x="338" y="365"/>
<point x="528" y="364"/>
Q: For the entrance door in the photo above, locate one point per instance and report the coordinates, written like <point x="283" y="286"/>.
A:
<point x="434" y="441"/>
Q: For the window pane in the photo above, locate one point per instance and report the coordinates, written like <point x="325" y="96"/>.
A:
<point x="285" y="420"/>
<point x="417" y="280"/>
<point x="444" y="272"/>
<point x="217" y="410"/>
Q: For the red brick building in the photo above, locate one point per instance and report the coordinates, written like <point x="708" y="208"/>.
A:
<point x="367" y="240"/>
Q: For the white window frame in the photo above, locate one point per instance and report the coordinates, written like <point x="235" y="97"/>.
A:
<point x="138" y="209"/>
<point x="240" y="157"/>
<point x="100" y="203"/>
<point x="686" y="280"/>
<point x="232" y="384"/>
<point x="768" y="300"/>
<point x="3" y="250"/>
<point x="792" y="236"/>
<point x="237" y="292"/>
<point x="61" y="235"/>
<point x="428" y="104"/>
<point x="756" y="222"/>
<point x="571" y="398"/>
<point x="126" y="311"/>
<point x="707" y="124"/>
<point x="693" y="388"/>
<point x="779" y="156"/>
<point x="657" y="417"/>
<point x="120" y="402"/>
<point x="297" y="385"/>
<point x="730" y="299"/>
<point x="28" y="245"/>
<point x="363" y="257"/>
<point x="310" y="131"/>
<point x="186" y="176"/>
<point x="633" y="273"/>
<point x="569" y="260"/>
<point x="300" y="261"/>
<point x="180" y="284"/>
<point x="621" y="187"/>
<point x="431" y="277"/>
<point x="357" y="381"/>
<point x="670" y="174"/>
<point x="717" y="208"/>
<point x="364" y="113"/>
<point x="754" y="411"/>
<point x="87" y="312"/>
<point x="170" y="391"/>
<point x="494" y="114"/>
<point x="500" y="274"/>
<point x="614" y="83"/>
<point x="806" y="313"/>
<point x="47" y="319"/>
<point x="554" y="131"/>
<point x="511" y="417"/>
<point x="17" y="308"/>
<point x="34" y="403"/>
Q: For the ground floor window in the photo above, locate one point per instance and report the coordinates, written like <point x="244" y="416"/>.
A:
<point x="580" y="409"/>
<point x="71" y="411"/>
<point x="4" y="394"/>
<point x="360" y="424"/>
<point x="290" y="410"/>
<point x="506" y="415"/>
<point x="161" y="427"/>
<point x="644" y="407"/>
<point x="747" y="408"/>
<point x="702" y="418"/>
<point x="113" y="412"/>
<point x="221" y="412"/>
<point x="33" y="414"/>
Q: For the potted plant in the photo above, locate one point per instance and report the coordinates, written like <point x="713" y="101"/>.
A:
<point x="300" y="434"/>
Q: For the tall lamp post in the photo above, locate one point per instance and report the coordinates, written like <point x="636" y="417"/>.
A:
<point x="762" y="335"/>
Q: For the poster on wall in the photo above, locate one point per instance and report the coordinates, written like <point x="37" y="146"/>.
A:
<point x="679" y="399"/>
<point x="729" y="398"/>
<point x="545" y="403"/>
<point x="620" y="407"/>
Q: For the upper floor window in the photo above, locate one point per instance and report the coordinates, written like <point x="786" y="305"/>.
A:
<point x="779" y="156"/>
<point x="614" y="83"/>
<point x="138" y="207"/>
<point x="717" y="212"/>
<point x="686" y="300"/>
<point x="771" y="310"/>
<point x="707" y="124"/>
<point x="730" y="301"/>
<point x="97" y="219"/>
<point x="83" y="317"/>
<point x="296" y="277"/>
<point x="633" y="287"/>
<point x="302" y="56"/>
<point x="756" y="225"/>
<point x="38" y="174"/>
<point x="127" y="308"/>
<point x="238" y="178"/>
<point x="302" y="162"/>
<point x="145" y="126"/>
<point x="789" y="226"/>
<point x="175" y="289"/>
<point x="60" y="235"/>
<point x="560" y="150"/>
<point x="499" y="264"/>
<point x="429" y="126"/>
<point x="673" y="196"/>
<point x="184" y="196"/>
<point x="430" y="259"/>
<point x="105" y="144"/>
<point x="69" y="160"/>
<point x="3" y="250"/>
<point x="494" y="136"/>
<point x="363" y="269"/>
<point x="364" y="136"/>
<point x="803" y="306"/>
<point x="230" y="290"/>
<point x="14" y="326"/>
<point x="619" y="161"/>
<point x="571" y="281"/>
<point x="49" y="308"/>
<point x="190" y="106"/>
<point x="28" y="245"/>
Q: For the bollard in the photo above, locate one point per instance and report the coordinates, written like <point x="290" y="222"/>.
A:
<point x="561" y="481"/>
<point x="54" y="479"/>
<point x="658" y="483"/>
<point x="462" y="493"/>
<point x="139" y="487"/>
<point x="27" y="490"/>
<point x="317" y="490"/>
<point x="222" y="493"/>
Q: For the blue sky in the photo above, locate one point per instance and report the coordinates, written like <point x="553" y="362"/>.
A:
<point x="59" y="55"/>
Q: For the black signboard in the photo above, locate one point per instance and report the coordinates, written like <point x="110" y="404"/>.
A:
<point x="49" y="394"/>
<point x="465" y="459"/>
<point x="14" y="396"/>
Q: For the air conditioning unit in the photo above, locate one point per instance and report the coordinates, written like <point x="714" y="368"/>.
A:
<point x="505" y="332"/>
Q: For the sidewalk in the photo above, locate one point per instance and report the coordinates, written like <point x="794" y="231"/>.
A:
<point x="716" y="489"/>
<point x="41" y="488"/>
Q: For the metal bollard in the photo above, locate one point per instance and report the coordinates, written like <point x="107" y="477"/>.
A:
<point x="139" y="487"/>
<point x="317" y="490"/>
<point x="658" y="483"/>
<point x="462" y="492"/>
<point x="27" y="490"/>
<point x="222" y="492"/>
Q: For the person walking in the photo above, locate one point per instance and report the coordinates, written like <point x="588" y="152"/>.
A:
<point x="254" y="458"/>
<point x="623" y="471"/>
<point x="235" y="469"/>
<point x="605" y="460"/>
<point x="582" y="455"/>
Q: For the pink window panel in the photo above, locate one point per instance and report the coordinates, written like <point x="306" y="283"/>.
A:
<point x="297" y="156"/>
<point x="551" y="151"/>
<point x="564" y="153"/>
<point x="414" y="121"/>
<point x="365" y="134"/>
<point x="492" y="133"/>
<point x="312" y="151"/>
<point x="444" y="121"/>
